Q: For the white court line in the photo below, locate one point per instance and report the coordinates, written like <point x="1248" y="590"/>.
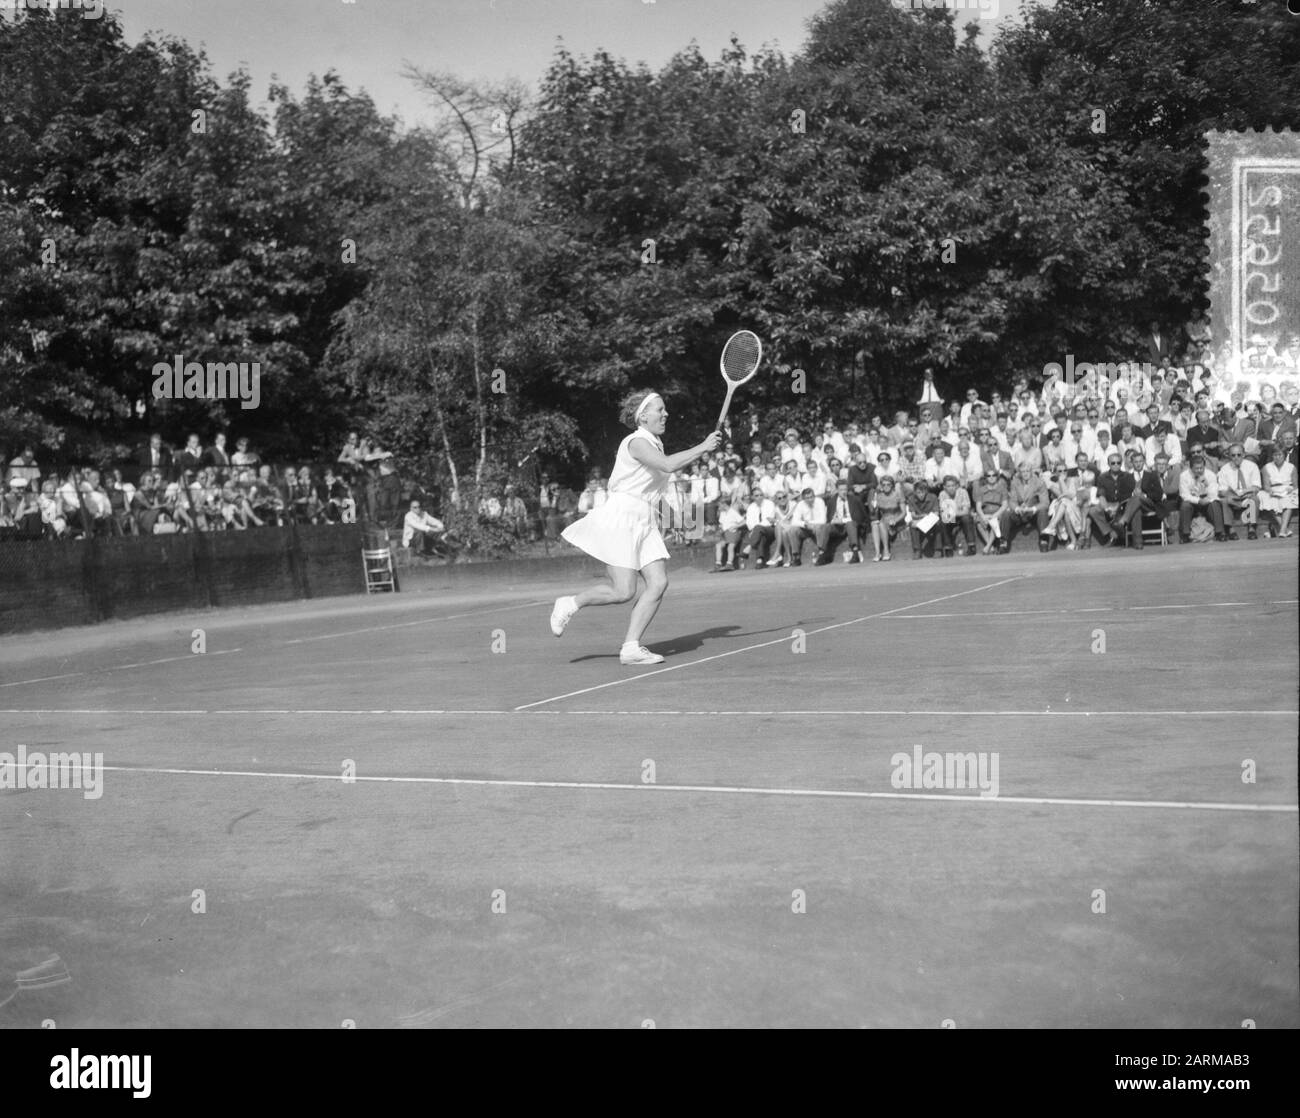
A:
<point x="277" y="644"/>
<point x="423" y="621"/>
<point x="721" y="789"/>
<point x="123" y="667"/>
<point x="1091" y="609"/>
<point x="927" y="711"/>
<point x="766" y="644"/>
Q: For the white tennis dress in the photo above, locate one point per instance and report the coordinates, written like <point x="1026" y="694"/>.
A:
<point x="624" y="531"/>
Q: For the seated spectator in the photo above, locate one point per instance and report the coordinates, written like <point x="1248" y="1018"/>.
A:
<point x="514" y="512"/>
<point x="121" y="498"/>
<point x="53" y="521"/>
<point x="760" y="518"/>
<point x="341" y="506"/>
<point x="96" y="503"/>
<point x="422" y="532"/>
<point x="1054" y="459"/>
<point x="1199" y="493"/>
<point x="991" y="508"/>
<point x="923" y="520"/>
<point x="1278" y="498"/>
<point x="176" y="505"/>
<point x="205" y="501"/>
<point x="887" y="516"/>
<point x="149" y="502"/>
<point x="1169" y="474"/>
<point x="1117" y="502"/>
<point x="25" y="466"/>
<point x="808" y="515"/>
<point x="237" y="502"/>
<point x="20" y="511"/>
<point x="265" y="498"/>
<point x="1239" y="484"/>
<point x="886" y="466"/>
<point x="846" y="520"/>
<point x="1205" y="434"/>
<point x="1028" y="505"/>
<point x="593" y="496"/>
<point x="781" y="522"/>
<point x="910" y="467"/>
<point x="1066" y="508"/>
<point x="731" y="528"/>
<point x="1271" y="428"/>
<point x="955" y="513"/>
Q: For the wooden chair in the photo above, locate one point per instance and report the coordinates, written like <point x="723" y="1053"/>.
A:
<point x="378" y="565"/>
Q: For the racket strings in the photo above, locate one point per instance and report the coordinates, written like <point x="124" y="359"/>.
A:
<point x="740" y="356"/>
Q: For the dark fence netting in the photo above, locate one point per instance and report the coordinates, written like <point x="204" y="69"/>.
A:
<point x="48" y="584"/>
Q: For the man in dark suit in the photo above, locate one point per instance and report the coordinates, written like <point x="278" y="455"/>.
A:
<point x="1270" y="430"/>
<point x="846" y="518"/>
<point x="1159" y="345"/>
<point x="996" y="460"/>
<point x="862" y="478"/>
<point x="217" y="457"/>
<point x="1117" y="501"/>
<point x="155" y="457"/>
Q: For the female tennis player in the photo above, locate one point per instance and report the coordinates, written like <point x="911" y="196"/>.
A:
<point x="623" y="533"/>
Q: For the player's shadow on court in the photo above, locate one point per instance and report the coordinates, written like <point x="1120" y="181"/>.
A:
<point x="690" y="642"/>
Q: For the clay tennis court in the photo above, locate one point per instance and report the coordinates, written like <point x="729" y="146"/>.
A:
<point x="513" y="779"/>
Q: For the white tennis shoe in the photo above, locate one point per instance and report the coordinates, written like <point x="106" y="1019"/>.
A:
<point x="562" y="614"/>
<point x="638" y="654"/>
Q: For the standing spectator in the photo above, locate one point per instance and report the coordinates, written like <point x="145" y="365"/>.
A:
<point x="190" y="459"/>
<point x="244" y="455"/>
<point x="154" y="458"/>
<point x="96" y="502"/>
<point x="1279" y="498"/>
<point x="1239" y="484"/>
<point x="349" y="459"/>
<point x="1199" y="493"/>
<point x="216" y="456"/>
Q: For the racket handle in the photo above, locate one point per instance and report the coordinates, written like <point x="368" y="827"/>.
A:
<point x="722" y="415"/>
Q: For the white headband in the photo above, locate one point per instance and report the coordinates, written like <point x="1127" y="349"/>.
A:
<point x="644" y="404"/>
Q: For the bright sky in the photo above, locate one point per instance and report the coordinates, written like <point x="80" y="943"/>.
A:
<point x="368" y="41"/>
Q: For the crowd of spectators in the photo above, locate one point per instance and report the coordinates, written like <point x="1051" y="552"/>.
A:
<point x="198" y="488"/>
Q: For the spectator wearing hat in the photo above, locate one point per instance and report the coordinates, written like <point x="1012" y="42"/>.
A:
<point x="1239" y="483"/>
<point x="911" y="467"/>
<point x="20" y="511"/>
<point x="24" y="466"/>
<point x="1199" y="493"/>
<point x="991" y="508"/>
